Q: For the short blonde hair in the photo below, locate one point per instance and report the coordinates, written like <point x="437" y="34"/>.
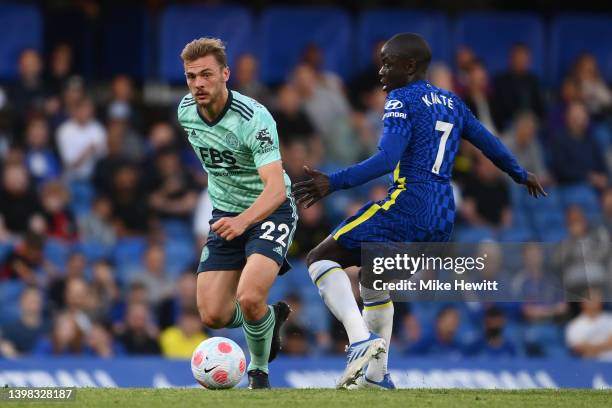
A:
<point x="202" y="47"/>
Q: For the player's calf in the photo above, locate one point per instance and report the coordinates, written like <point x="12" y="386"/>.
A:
<point x="378" y="316"/>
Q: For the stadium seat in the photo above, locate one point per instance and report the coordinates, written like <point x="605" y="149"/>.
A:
<point x="572" y="35"/>
<point x="10" y="291"/>
<point x="286" y="31"/>
<point x="180" y="255"/>
<point x="127" y="255"/>
<point x="472" y="234"/>
<point x="176" y="229"/>
<point x="545" y="219"/>
<point x="377" y="25"/>
<point x="21" y="29"/>
<point x="94" y="251"/>
<point x="126" y="47"/>
<point x="585" y="197"/>
<point x="181" y="24"/>
<point x="81" y="197"/>
<point x="57" y="252"/>
<point x="543" y="339"/>
<point x="492" y="35"/>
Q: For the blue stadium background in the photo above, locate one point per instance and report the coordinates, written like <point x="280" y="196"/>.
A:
<point x="97" y="254"/>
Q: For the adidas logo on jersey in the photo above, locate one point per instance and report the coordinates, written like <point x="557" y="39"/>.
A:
<point x="278" y="250"/>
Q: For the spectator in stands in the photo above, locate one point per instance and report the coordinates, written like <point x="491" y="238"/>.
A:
<point x="101" y="342"/>
<point x="557" y="118"/>
<point x="96" y="226"/>
<point x="106" y="167"/>
<point x="443" y="341"/>
<point x="81" y="302"/>
<point x="291" y="121"/>
<point x="313" y="227"/>
<point x="174" y="194"/>
<point x="25" y="261"/>
<point x="136" y="293"/>
<point x="367" y="80"/>
<point x="493" y="343"/>
<point x="140" y="334"/>
<point x="518" y="89"/>
<point x="118" y="124"/>
<point x="81" y="141"/>
<point x="60" y="68"/>
<point x="577" y="146"/>
<point x="593" y="89"/>
<point x="67" y="338"/>
<point x="478" y="96"/>
<point x="486" y="199"/>
<point x="56" y="287"/>
<point x="184" y="297"/>
<point x="295" y="156"/>
<point x="313" y="57"/>
<point x="161" y="135"/>
<point x="589" y="335"/>
<point x="368" y="125"/>
<point x="28" y="93"/>
<point x="40" y="159"/>
<point x="159" y="285"/>
<point x="441" y="76"/>
<point x="19" y="204"/>
<point x="60" y="221"/>
<point x="123" y="103"/>
<point x="464" y="59"/>
<point x="31" y="326"/>
<point x="583" y="255"/>
<point x="104" y="285"/>
<point x="131" y="212"/>
<point x="494" y="271"/>
<point x="180" y="340"/>
<point x="72" y="94"/>
<point x="540" y="295"/>
<point x="329" y="112"/>
<point x="245" y="79"/>
<point x="522" y="140"/>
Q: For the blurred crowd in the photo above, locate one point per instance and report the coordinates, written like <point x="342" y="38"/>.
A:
<point x="104" y="211"/>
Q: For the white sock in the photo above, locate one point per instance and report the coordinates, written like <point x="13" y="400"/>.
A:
<point x="335" y="289"/>
<point x="378" y="315"/>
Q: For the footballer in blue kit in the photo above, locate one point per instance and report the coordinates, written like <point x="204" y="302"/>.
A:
<point x="422" y="128"/>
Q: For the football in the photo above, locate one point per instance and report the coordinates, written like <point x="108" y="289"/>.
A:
<point x="218" y="363"/>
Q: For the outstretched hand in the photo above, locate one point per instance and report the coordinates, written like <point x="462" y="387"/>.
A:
<point x="310" y="191"/>
<point x="534" y="187"/>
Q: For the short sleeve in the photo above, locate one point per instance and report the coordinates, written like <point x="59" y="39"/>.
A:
<point x="262" y="138"/>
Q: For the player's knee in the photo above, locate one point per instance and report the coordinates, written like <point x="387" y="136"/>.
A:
<point x="251" y="303"/>
<point x="313" y="256"/>
<point x="212" y="319"/>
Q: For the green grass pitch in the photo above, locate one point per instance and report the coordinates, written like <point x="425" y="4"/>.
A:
<point x="320" y="398"/>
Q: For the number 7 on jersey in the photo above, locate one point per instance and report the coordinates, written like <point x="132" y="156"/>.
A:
<point x="446" y="129"/>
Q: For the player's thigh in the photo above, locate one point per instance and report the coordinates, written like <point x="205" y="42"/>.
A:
<point x="255" y="282"/>
<point x="216" y="294"/>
